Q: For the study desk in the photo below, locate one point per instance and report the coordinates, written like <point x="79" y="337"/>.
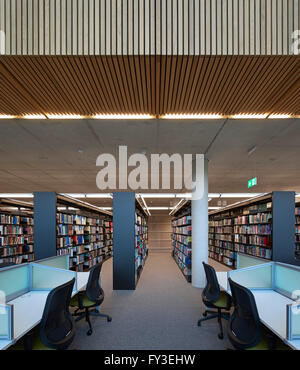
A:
<point x="271" y="308"/>
<point x="29" y="308"/>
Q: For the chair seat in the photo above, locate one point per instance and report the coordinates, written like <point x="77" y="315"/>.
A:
<point x="222" y="302"/>
<point x="37" y="344"/>
<point x="85" y="301"/>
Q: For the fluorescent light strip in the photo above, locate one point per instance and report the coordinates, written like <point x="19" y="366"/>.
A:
<point x="122" y="116"/>
<point x="249" y="116"/>
<point x="4" y="116"/>
<point x="34" y="116"/>
<point x="157" y="195"/>
<point x="102" y="196"/>
<point x="192" y="116"/>
<point x="159" y="208"/>
<point x="64" y="116"/>
<point x="280" y="116"/>
<point x="75" y="195"/>
<point x="240" y="195"/>
<point x="19" y="195"/>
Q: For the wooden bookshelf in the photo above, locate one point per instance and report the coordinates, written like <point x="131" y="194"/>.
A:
<point x="255" y="227"/>
<point x="16" y="232"/>
<point x="182" y="240"/>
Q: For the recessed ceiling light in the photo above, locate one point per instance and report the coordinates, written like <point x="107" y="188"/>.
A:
<point x="122" y="116"/>
<point x="191" y="116"/>
<point x="249" y="116"/>
<point x="280" y="116"/>
<point x="34" y="116"/>
<point x="4" y="116"/>
<point x="64" y="116"/>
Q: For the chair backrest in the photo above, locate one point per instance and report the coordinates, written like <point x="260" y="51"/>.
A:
<point x="58" y="326"/>
<point x="244" y="328"/>
<point x="211" y="292"/>
<point x="93" y="288"/>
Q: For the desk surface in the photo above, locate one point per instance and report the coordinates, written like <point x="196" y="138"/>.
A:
<point x="271" y="307"/>
<point x="29" y="308"/>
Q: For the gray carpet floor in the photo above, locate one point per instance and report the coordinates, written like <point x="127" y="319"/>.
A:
<point x="161" y="314"/>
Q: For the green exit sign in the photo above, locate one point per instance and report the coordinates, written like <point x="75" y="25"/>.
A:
<point x="252" y="182"/>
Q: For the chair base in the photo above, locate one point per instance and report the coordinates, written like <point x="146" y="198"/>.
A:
<point x="86" y="314"/>
<point x="209" y="315"/>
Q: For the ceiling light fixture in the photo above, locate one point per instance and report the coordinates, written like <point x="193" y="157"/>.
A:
<point x="95" y="196"/>
<point x="249" y="116"/>
<point x="76" y="195"/>
<point x="4" y="116"/>
<point x="192" y="116"/>
<point x="16" y="195"/>
<point x="34" y="116"/>
<point x="122" y="116"/>
<point x="159" y="208"/>
<point x="64" y="116"/>
<point x="280" y="116"/>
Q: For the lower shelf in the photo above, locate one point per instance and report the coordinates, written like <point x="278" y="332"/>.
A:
<point x="188" y="277"/>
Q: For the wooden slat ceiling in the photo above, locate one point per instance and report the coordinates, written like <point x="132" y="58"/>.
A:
<point x="89" y="85"/>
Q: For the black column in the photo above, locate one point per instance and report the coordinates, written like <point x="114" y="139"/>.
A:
<point x="124" y="248"/>
<point x="44" y="225"/>
<point x="284" y="227"/>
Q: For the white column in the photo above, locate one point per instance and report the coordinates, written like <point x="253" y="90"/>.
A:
<point x="200" y="223"/>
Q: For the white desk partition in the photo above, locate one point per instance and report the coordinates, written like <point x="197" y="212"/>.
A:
<point x="62" y="262"/>
<point x="6" y="321"/>
<point x="46" y="277"/>
<point x="14" y="281"/>
<point x="244" y="260"/>
<point x="254" y="277"/>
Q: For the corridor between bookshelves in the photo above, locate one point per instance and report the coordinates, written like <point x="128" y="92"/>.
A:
<point x="163" y="310"/>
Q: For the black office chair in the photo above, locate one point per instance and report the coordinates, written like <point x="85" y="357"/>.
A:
<point x="57" y="328"/>
<point x="214" y="298"/>
<point x="245" y="330"/>
<point x="89" y="299"/>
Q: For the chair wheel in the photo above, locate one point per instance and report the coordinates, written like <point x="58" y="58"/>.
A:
<point x="220" y="336"/>
<point x="90" y="332"/>
<point x="109" y="319"/>
<point x="199" y="323"/>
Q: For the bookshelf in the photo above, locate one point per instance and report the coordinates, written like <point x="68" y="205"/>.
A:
<point x="141" y="242"/>
<point x="297" y="230"/>
<point x="78" y="229"/>
<point x="16" y="232"/>
<point x="130" y="240"/>
<point x="260" y="227"/>
<point x="182" y="240"/>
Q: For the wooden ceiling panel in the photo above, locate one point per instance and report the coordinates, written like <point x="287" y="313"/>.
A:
<point x="89" y="85"/>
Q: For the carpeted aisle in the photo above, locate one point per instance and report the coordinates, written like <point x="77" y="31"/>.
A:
<point x="161" y="314"/>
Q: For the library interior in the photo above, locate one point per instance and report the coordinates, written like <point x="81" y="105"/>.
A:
<point x="149" y="175"/>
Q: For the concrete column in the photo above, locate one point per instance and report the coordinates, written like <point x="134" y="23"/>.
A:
<point x="200" y="223"/>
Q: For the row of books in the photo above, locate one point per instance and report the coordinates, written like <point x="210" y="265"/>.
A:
<point x="15" y="240"/>
<point x="221" y="244"/>
<point x="297" y="211"/>
<point x="184" y="230"/>
<point x="224" y="222"/>
<point x="187" y="240"/>
<point x="221" y="258"/>
<point x="254" y="250"/>
<point x="258" y="240"/>
<point x="71" y="219"/>
<point x="223" y="252"/>
<point x="9" y="219"/>
<point x="185" y="220"/>
<point x="12" y="251"/>
<point x="254" y="229"/>
<point x="223" y="230"/>
<point x="15" y="230"/>
<point x="186" y="270"/>
<point x="253" y="219"/>
<point x="182" y="248"/>
<point x="18" y="259"/>
<point x="141" y="229"/>
<point x="139" y="220"/>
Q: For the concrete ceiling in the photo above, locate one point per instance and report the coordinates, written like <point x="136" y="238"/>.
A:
<point x="43" y="155"/>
